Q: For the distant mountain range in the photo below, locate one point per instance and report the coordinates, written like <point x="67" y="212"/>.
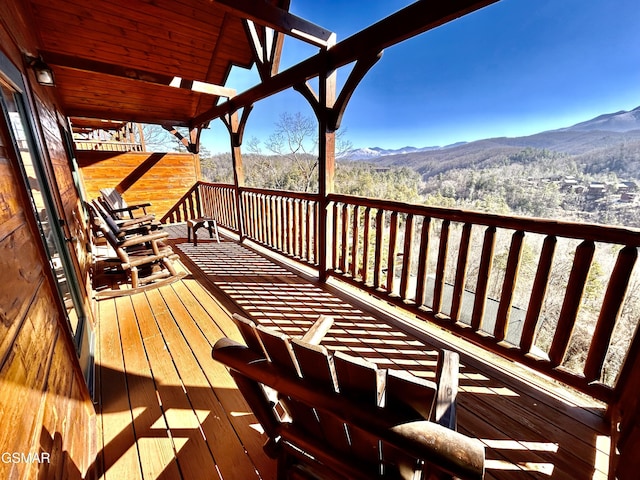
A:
<point x="605" y="131"/>
<point x="377" y="152"/>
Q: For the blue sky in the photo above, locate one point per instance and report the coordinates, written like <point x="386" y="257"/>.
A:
<point x="514" y="68"/>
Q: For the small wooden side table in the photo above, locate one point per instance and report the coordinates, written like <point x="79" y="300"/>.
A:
<point x="194" y="224"/>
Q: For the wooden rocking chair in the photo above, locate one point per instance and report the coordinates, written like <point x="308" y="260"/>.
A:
<point x="345" y="419"/>
<point x="117" y="205"/>
<point x="123" y="228"/>
<point x="141" y="256"/>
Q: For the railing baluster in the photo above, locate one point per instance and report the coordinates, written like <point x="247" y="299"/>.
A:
<point x="423" y="261"/>
<point x="508" y="286"/>
<point x="461" y="272"/>
<point x="355" y="241"/>
<point x="298" y="209"/>
<point x="393" y="247"/>
<point x="291" y="226"/>
<point x="611" y="306"/>
<point x="288" y="225"/>
<point x="272" y="231"/>
<point x="271" y="227"/>
<point x="538" y="292"/>
<point x="196" y="191"/>
<point x="309" y="226"/>
<point x="316" y="229"/>
<point x="259" y="216"/>
<point x="365" y="245"/>
<point x="407" y="253"/>
<point x="335" y="261"/>
<point x="344" y="255"/>
<point x="279" y="222"/>
<point x="252" y="218"/>
<point x="377" y="268"/>
<point x="484" y="272"/>
<point x="443" y="249"/>
<point x="571" y="304"/>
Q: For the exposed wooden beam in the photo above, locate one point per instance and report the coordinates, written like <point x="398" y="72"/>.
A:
<point x="123" y="71"/>
<point x="192" y="144"/>
<point x="412" y="20"/>
<point x="280" y="20"/>
<point x="116" y="114"/>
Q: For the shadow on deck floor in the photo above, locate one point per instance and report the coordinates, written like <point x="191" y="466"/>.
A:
<point x="529" y="432"/>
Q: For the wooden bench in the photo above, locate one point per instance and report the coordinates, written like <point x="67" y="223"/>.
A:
<point x="339" y="417"/>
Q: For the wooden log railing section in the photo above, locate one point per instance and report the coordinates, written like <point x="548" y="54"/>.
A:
<point x="286" y="222"/>
<point x="462" y="270"/>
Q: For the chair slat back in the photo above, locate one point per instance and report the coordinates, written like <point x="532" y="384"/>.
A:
<point x="247" y="329"/>
<point x="316" y="366"/>
<point x="113" y="198"/>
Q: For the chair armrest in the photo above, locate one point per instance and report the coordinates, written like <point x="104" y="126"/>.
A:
<point x="152" y="237"/>
<point x="451" y="451"/>
<point x="145" y="220"/>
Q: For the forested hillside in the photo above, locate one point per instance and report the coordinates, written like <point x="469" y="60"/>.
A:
<point x="587" y="172"/>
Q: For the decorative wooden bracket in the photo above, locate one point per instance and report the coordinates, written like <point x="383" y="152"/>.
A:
<point x="336" y="111"/>
<point x="235" y="126"/>
<point x="192" y="143"/>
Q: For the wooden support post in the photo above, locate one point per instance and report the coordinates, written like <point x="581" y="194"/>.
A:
<point x="329" y="109"/>
<point x="326" y="162"/>
<point x="235" y="127"/>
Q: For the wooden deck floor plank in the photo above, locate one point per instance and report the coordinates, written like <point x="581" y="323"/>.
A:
<point x="514" y="407"/>
<point x="522" y="442"/>
<point x="156" y="450"/>
<point x="119" y="451"/>
<point x="577" y="446"/>
<point x="212" y="391"/>
<point x="205" y="308"/>
<point x="193" y="454"/>
<point x="514" y="411"/>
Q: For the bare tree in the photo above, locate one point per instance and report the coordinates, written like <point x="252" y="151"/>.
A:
<point x="295" y="139"/>
<point x="157" y="139"/>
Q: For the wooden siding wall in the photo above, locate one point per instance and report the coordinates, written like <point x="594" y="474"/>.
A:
<point x="158" y="178"/>
<point x="44" y="403"/>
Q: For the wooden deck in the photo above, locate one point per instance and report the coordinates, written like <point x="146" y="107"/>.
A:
<point x="168" y="411"/>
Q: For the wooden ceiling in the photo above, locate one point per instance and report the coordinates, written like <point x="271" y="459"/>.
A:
<point x="116" y="59"/>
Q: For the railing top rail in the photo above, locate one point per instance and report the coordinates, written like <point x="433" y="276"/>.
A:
<point x="216" y="185"/>
<point x="281" y="193"/>
<point x="582" y="231"/>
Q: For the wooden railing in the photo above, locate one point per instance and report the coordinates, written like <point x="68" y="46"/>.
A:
<point x="286" y="222"/>
<point x="108" y="146"/>
<point x="545" y="293"/>
<point x="213" y="200"/>
<point x="556" y="296"/>
<point x="219" y="201"/>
